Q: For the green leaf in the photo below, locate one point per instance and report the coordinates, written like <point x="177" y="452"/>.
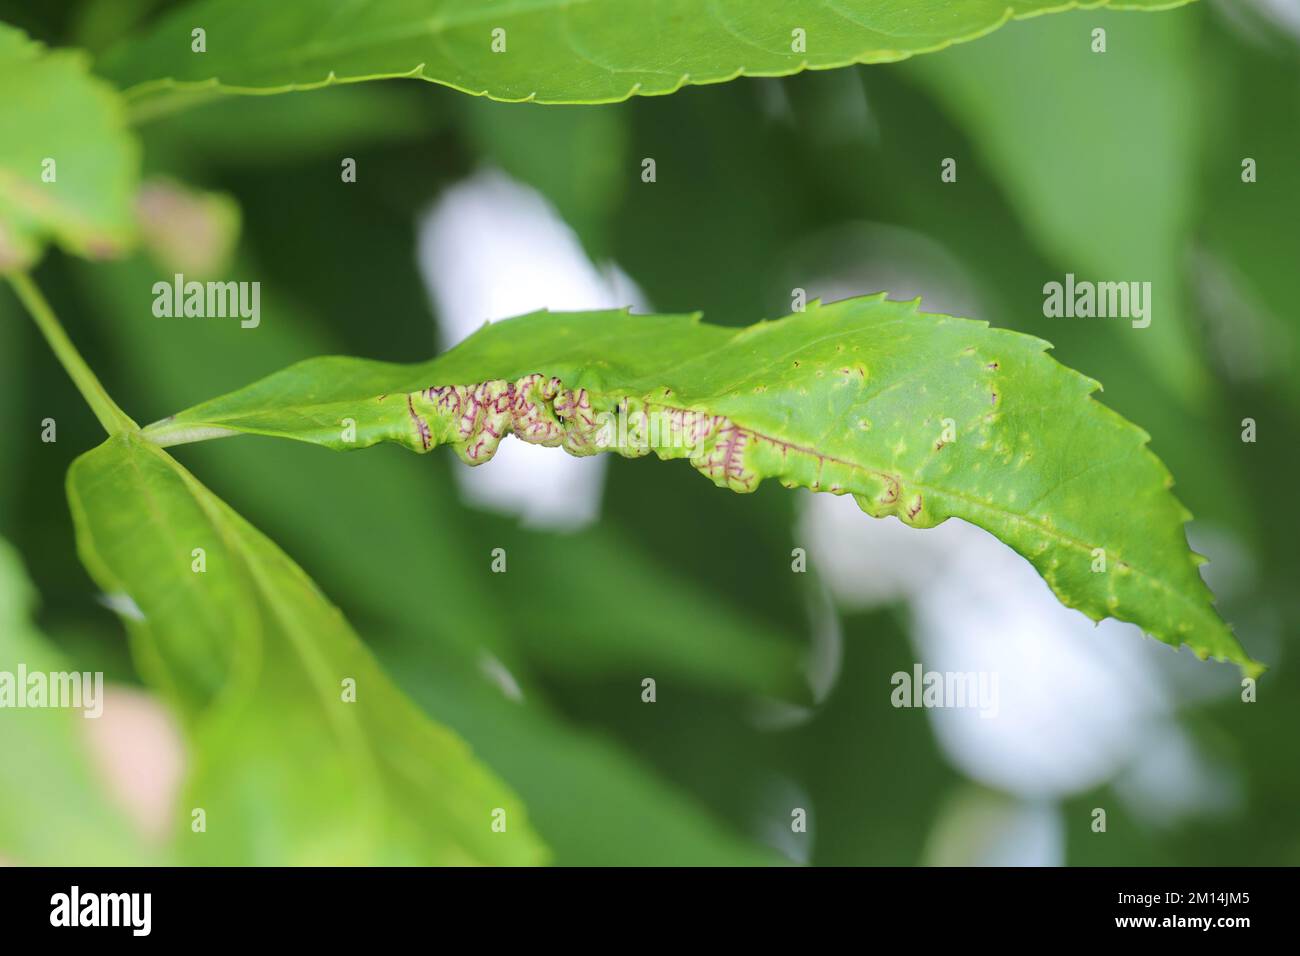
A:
<point x="67" y="163"/>
<point x="1092" y="205"/>
<point x="555" y="51"/>
<point x="697" y="632"/>
<point x="194" y="130"/>
<point x="919" y="416"/>
<point x="256" y="659"/>
<point x="53" y="811"/>
<point x="699" y="636"/>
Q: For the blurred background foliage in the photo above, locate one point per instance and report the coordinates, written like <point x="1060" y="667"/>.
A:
<point x="1123" y="166"/>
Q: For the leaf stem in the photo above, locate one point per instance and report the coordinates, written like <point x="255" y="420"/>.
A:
<point x="110" y="416"/>
<point x="165" y="433"/>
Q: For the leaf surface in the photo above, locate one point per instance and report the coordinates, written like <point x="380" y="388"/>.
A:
<point x="924" y="417"/>
<point x="550" y="51"/>
<point x="255" y="659"/>
<point x="53" y="111"/>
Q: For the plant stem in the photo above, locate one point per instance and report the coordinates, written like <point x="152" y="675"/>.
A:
<point x="110" y="416"/>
